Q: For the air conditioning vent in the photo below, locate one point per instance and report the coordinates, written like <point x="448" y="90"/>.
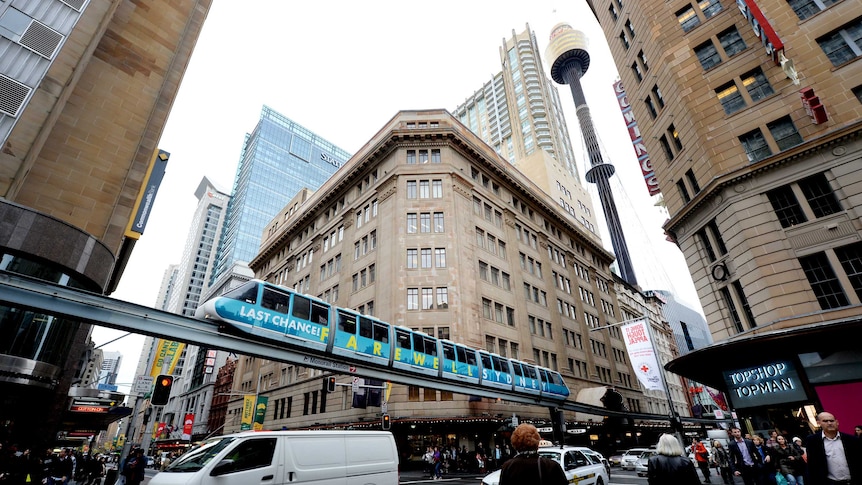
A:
<point x="41" y="39"/>
<point x="12" y="96"/>
<point x="77" y="5"/>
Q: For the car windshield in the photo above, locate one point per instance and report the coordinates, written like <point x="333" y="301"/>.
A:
<point x="552" y="455"/>
<point x="647" y="454"/>
<point x="196" y="458"/>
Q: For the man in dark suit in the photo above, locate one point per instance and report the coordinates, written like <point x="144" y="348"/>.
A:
<point x="744" y="459"/>
<point x="834" y="458"/>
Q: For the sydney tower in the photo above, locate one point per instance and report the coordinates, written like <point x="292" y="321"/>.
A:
<point x="569" y="60"/>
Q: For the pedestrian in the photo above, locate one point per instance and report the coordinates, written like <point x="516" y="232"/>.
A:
<point x="527" y="467"/>
<point x="670" y="465"/>
<point x="834" y="458"/>
<point x="788" y="460"/>
<point x="701" y="457"/>
<point x="133" y="468"/>
<point x="437" y="464"/>
<point x="766" y="469"/>
<point x="744" y="459"/>
<point x="428" y="458"/>
<point x="858" y="431"/>
<point x="721" y="459"/>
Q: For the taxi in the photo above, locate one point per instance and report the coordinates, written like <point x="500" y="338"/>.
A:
<point x="583" y="466"/>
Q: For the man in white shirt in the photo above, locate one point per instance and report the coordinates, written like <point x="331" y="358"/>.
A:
<point x="834" y="458"/>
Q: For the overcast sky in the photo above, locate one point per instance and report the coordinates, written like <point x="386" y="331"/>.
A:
<point x="342" y="69"/>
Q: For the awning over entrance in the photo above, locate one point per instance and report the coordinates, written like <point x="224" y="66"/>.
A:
<point x="708" y="364"/>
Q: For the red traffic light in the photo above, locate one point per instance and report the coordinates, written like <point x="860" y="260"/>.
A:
<point x="162" y="391"/>
<point x="166" y="381"/>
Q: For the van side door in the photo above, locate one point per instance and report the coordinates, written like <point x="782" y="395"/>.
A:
<point x="251" y="461"/>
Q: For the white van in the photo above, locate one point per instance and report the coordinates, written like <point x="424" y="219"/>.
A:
<point x="287" y="457"/>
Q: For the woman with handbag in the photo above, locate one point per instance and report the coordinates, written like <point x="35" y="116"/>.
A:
<point x="527" y="467"/>
<point x="789" y="460"/>
<point x="722" y="461"/>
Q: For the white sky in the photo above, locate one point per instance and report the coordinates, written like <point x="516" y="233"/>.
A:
<point x="342" y="69"/>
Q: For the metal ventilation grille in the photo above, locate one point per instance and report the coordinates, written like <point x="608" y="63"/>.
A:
<point x="41" y="39"/>
<point x="78" y="5"/>
<point x="12" y="96"/>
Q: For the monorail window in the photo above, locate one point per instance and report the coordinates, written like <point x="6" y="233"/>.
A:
<point x="448" y="351"/>
<point x="319" y="314"/>
<point x="246" y="293"/>
<point x="346" y="323"/>
<point x="471" y="356"/>
<point x="365" y="328"/>
<point x="418" y="343"/>
<point x="517" y="369"/>
<point x="558" y="379"/>
<point x="430" y="346"/>
<point x="381" y="332"/>
<point x="499" y="363"/>
<point x="274" y="300"/>
<point x="486" y="361"/>
<point x="530" y="371"/>
<point x="301" y="307"/>
<point x="402" y="338"/>
<point x="545" y="376"/>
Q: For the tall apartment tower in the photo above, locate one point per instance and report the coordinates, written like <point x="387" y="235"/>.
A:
<point x="462" y="247"/>
<point x="110" y="367"/>
<point x="518" y="113"/>
<point x="569" y="60"/>
<point x="86" y="87"/>
<point x="753" y="111"/>
<point x="279" y="158"/>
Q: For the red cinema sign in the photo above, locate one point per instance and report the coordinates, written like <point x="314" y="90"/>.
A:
<point x="637" y="140"/>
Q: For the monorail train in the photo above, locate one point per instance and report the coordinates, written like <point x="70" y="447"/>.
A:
<point x="276" y="313"/>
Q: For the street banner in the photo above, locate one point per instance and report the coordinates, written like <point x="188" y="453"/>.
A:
<point x="188" y="424"/>
<point x="247" y="412"/>
<point x="642" y="354"/>
<point x="167" y="356"/>
<point x="158" y="429"/>
<point x="260" y="413"/>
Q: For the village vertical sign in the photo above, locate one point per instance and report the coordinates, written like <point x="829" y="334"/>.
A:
<point x="766" y="384"/>
<point x="762" y="29"/>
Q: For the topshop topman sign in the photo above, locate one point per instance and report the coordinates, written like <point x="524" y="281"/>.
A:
<point x="770" y="383"/>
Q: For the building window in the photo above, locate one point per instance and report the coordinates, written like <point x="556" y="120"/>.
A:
<point x="411" y="189"/>
<point x="411" y="156"/>
<point x="731" y="42"/>
<point x="437" y="189"/>
<point x="411" y="223"/>
<point x="643" y="60"/>
<point x="624" y="39"/>
<point x="688" y="18"/>
<point x="823" y="280"/>
<point x="806" y="8"/>
<point x="710" y="7"/>
<point x="666" y="147"/>
<point x="820" y="195"/>
<point x="730" y="98"/>
<point x="614" y="13"/>
<point x="708" y="55"/>
<point x="637" y="72"/>
<point x="689" y="174"/>
<point x="757" y="85"/>
<point x="412" y="298"/>
<point x="658" y="97"/>
<point x="755" y="145"/>
<point x="412" y="259"/>
<point x="630" y="28"/>
<point x="857" y="91"/>
<point x="650" y="107"/>
<point x="731" y="308"/>
<point x="435" y="156"/>
<point x="786" y="206"/>
<point x="784" y="132"/>
<point x="443" y="298"/>
<point x="850" y="258"/>
<point x="683" y="191"/>
<point x="674" y="135"/>
<point x="843" y="45"/>
<point x="688" y="342"/>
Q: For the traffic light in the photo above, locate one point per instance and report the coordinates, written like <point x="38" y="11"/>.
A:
<point x="387" y="423"/>
<point x="162" y="392"/>
<point x="329" y="384"/>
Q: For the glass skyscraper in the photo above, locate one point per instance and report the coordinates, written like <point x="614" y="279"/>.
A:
<point x="279" y="158"/>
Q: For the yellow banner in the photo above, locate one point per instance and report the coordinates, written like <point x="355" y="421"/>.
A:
<point x="167" y="356"/>
<point x="247" y="412"/>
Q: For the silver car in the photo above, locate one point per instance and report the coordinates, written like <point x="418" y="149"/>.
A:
<point x="630" y="457"/>
<point x="643" y="460"/>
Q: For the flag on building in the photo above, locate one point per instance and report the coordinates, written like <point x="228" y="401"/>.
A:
<point x="642" y="354"/>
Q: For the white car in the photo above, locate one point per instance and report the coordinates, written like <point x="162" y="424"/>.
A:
<point x="630" y="458"/>
<point x="582" y="465"/>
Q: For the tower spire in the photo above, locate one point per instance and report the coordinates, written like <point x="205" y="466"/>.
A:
<point x="567" y="53"/>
